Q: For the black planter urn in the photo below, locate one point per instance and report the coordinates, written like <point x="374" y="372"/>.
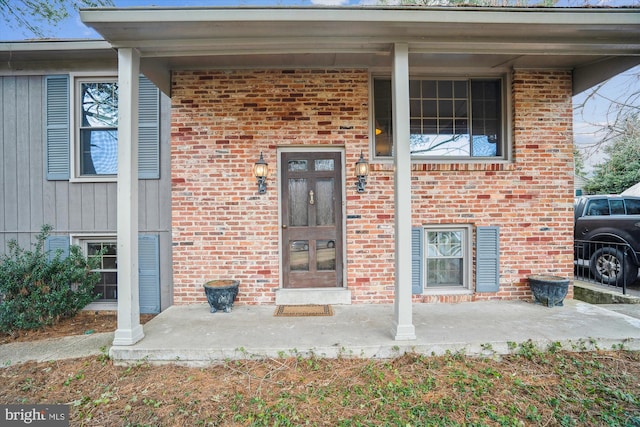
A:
<point x="549" y="290"/>
<point x="221" y="294"/>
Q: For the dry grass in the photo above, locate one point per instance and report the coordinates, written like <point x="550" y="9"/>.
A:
<point x="529" y="387"/>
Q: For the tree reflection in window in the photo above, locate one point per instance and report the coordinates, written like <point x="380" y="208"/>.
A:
<point x="99" y="128"/>
<point x="448" y="118"/>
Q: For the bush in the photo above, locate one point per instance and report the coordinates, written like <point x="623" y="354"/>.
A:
<point x="36" y="291"/>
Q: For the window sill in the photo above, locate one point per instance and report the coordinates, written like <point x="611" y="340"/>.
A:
<point x="102" y="306"/>
<point x="447" y="291"/>
<point x="494" y="166"/>
<point x="93" y="179"/>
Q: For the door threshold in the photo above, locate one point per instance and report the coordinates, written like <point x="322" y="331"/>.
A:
<point x="313" y="296"/>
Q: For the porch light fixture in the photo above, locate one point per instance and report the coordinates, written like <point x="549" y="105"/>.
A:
<point x="260" y="170"/>
<point x="362" y="171"/>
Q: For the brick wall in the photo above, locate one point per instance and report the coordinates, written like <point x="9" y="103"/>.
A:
<point x="222" y="228"/>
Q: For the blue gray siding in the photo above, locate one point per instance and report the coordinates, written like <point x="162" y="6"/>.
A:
<point x="28" y="199"/>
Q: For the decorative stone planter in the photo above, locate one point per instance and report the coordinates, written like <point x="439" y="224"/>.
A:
<point x="549" y="290"/>
<point x="221" y="294"/>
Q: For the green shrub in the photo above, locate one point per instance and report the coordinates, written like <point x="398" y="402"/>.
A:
<point x="38" y="288"/>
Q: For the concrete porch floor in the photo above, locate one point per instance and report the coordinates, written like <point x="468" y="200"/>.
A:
<point x="191" y="335"/>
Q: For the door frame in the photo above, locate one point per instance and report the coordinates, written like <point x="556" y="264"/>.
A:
<point x="312" y="149"/>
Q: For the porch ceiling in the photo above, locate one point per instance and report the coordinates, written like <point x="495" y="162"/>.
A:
<point x="595" y="43"/>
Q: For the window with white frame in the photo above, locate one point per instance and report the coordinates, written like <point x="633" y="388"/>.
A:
<point x="461" y="119"/>
<point x="96" y="118"/>
<point x="81" y="126"/>
<point x="447" y="257"/>
<point x="105" y="250"/>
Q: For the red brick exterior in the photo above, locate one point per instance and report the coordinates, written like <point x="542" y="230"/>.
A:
<point x="222" y="120"/>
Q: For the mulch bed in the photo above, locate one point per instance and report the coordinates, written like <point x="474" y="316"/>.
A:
<point x="85" y="322"/>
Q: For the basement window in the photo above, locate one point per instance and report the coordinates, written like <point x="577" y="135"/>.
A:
<point x="106" y="250"/>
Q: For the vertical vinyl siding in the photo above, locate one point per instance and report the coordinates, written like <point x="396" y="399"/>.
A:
<point x="163" y="206"/>
<point x="35" y="171"/>
<point x="28" y="200"/>
<point x="23" y="142"/>
<point x="76" y="208"/>
<point x="61" y="206"/>
<point x="100" y="196"/>
<point x="112" y="208"/>
<point x="4" y="122"/>
<point x="9" y="153"/>
<point x="89" y="207"/>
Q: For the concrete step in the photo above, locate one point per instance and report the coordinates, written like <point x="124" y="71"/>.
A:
<point x="602" y="294"/>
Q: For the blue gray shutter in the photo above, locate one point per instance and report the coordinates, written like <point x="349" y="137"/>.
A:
<point x="54" y="243"/>
<point x="149" y="273"/>
<point x="57" y="127"/>
<point x="487" y="259"/>
<point x="417" y="259"/>
<point x="148" y="130"/>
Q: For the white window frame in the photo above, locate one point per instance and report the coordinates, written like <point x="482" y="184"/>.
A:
<point x="82" y="240"/>
<point x="505" y="125"/>
<point x="467" y="259"/>
<point x="75" y="121"/>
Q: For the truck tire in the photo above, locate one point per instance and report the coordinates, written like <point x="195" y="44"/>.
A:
<point x="606" y="266"/>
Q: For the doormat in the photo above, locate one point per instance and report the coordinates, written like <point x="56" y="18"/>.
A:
<point x="303" y="310"/>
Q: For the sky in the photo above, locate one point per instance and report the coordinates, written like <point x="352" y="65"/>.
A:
<point x="599" y="112"/>
<point x="596" y="113"/>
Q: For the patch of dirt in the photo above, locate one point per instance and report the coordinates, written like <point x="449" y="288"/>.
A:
<point x="586" y="389"/>
<point x="530" y="388"/>
<point x="85" y="322"/>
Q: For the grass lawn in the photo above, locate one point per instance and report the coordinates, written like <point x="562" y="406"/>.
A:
<point x="527" y="388"/>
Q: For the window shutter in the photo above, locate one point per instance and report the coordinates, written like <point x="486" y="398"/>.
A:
<point x="54" y="243"/>
<point x="417" y="256"/>
<point x="148" y="130"/>
<point x="149" y="273"/>
<point x="57" y="127"/>
<point x="487" y="259"/>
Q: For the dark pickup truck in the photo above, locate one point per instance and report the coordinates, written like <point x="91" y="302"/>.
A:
<point x="607" y="236"/>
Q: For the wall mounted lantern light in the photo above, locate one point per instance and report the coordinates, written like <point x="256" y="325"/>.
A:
<point x="260" y="169"/>
<point x="362" y="171"/>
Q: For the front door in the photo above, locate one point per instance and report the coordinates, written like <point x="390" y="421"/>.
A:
<point x="312" y="219"/>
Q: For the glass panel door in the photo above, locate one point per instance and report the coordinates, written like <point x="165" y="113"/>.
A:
<point x="312" y="219"/>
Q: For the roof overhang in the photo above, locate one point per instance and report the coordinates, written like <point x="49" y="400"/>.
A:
<point x="595" y="44"/>
<point x="50" y="56"/>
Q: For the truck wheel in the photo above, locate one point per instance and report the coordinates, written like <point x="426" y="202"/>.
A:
<point x="606" y="266"/>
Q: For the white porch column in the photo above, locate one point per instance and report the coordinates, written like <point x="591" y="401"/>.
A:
<point x="129" y="329"/>
<point x="403" y="328"/>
